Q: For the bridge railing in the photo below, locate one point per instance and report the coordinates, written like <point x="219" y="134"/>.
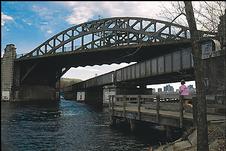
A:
<point x="152" y="104"/>
<point x="157" y="105"/>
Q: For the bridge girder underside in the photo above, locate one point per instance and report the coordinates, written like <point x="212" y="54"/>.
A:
<point x="39" y="73"/>
<point x="187" y="75"/>
<point x="48" y="70"/>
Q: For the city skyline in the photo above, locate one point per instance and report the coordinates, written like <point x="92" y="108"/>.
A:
<point x="190" y="87"/>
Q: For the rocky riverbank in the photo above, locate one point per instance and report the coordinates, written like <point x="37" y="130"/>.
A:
<point x="188" y="142"/>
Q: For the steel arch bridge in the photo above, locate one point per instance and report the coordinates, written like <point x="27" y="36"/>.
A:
<point x="105" y="41"/>
<point x="117" y="32"/>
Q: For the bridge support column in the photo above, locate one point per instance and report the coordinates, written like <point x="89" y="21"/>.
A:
<point x="57" y="90"/>
<point x="7" y="69"/>
<point x="94" y="97"/>
<point x="36" y="93"/>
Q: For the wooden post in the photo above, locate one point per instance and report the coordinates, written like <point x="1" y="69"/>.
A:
<point x="111" y="111"/>
<point x="132" y="125"/>
<point x="157" y="107"/>
<point x="139" y="105"/>
<point x="124" y="106"/>
<point x="168" y="132"/>
<point x="194" y="108"/>
<point x="109" y="103"/>
<point x="109" y="107"/>
<point x="112" y="105"/>
<point x="112" y="121"/>
<point x="181" y="111"/>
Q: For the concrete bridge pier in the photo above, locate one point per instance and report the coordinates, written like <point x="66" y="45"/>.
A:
<point x="57" y="90"/>
<point x="25" y="81"/>
<point x="36" y="93"/>
<point x="7" y="72"/>
<point x="94" y="97"/>
<point x="35" y="87"/>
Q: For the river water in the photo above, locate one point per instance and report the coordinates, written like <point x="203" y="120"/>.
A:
<point x="65" y="126"/>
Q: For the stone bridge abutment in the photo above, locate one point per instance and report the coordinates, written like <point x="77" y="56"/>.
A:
<point x="26" y="82"/>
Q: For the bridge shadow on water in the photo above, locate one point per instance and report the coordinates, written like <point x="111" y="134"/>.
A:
<point x="151" y="135"/>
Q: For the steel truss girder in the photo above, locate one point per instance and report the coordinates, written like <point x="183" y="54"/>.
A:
<point x="60" y="73"/>
<point x="111" y="32"/>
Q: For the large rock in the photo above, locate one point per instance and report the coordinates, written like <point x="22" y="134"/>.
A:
<point x="193" y="138"/>
<point x="218" y="144"/>
<point x="181" y="145"/>
<point x="177" y="146"/>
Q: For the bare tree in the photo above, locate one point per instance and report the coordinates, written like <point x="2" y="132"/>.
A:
<point x="169" y="12"/>
<point x="204" y="16"/>
<point x="202" y="127"/>
<point x="206" y="13"/>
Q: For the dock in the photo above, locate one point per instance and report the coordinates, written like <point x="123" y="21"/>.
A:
<point x="166" y="110"/>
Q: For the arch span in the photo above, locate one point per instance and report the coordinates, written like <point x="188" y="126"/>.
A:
<point x="111" y="32"/>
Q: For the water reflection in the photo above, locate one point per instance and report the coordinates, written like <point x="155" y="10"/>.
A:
<point x="64" y="125"/>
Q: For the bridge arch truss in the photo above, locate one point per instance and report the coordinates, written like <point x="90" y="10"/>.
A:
<point x="110" y="33"/>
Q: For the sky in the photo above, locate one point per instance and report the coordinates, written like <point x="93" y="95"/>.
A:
<point x="27" y="24"/>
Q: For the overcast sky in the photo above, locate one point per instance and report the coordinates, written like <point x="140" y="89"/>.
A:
<point x="28" y="24"/>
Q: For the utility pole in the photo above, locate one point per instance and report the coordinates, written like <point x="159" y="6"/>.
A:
<point x="202" y="127"/>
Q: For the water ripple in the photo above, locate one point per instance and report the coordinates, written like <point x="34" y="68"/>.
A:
<point x="61" y="126"/>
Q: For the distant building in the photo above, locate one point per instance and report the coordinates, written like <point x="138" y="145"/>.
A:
<point x="159" y="89"/>
<point x="168" y="88"/>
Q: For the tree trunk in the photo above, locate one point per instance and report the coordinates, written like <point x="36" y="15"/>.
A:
<point x="202" y="128"/>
